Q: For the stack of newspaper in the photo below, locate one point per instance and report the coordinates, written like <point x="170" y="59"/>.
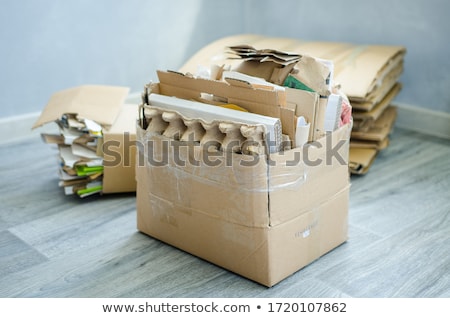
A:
<point x="83" y="115"/>
<point x="80" y="161"/>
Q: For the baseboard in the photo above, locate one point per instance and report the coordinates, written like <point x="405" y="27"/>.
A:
<point x="14" y="128"/>
<point x="18" y="127"/>
<point x="423" y="120"/>
<point x="409" y="117"/>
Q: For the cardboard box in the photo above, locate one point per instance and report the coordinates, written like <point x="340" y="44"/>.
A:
<point x="104" y="105"/>
<point x="263" y="217"/>
<point x="263" y="222"/>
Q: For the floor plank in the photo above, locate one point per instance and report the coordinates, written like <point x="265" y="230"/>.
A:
<point x="52" y="245"/>
<point x="412" y="263"/>
<point x="16" y="255"/>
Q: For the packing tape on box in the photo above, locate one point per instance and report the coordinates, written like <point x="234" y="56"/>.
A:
<point x="193" y="162"/>
<point x="189" y="159"/>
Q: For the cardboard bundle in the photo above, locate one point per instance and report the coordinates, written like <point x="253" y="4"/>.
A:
<point x="367" y="74"/>
<point x="96" y="151"/>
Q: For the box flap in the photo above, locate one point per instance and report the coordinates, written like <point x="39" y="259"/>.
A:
<point x="369" y="116"/>
<point x="221" y="89"/>
<point x="95" y="102"/>
<point x="369" y="64"/>
<point x="125" y="121"/>
<point x="119" y="159"/>
<point x="361" y="159"/>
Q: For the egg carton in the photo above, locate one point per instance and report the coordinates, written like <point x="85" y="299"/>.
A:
<point x="214" y="126"/>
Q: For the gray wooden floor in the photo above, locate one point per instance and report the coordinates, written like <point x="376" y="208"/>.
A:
<point x="52" y="245"/>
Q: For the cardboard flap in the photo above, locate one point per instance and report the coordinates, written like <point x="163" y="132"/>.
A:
<point x="119" y="171"/>
<point x="313" y="74"/>
<point x="270" y="71"/>
<point x="369" y="110"/>
<point x="125" y="122"/>
<point x="222" y="89"/>
<point x="96" y="102"/>
<point x="361" y="159"/>
<point x="379" y="109"/>
<point x="238" y="82"/>
<point x="368" y="64"/>
<point x="306" y="104"/>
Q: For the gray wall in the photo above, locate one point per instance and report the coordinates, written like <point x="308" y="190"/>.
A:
<point x="49" y="45"/>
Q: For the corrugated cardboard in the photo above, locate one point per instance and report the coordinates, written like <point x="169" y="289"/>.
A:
<point x="365" y="72"/>
<point x="364" y="145"/>
<point x="367" y="118"/>
<point x="120" y="161"/>
<point x="105" y="105"/>
<point x="380" y="129"/>
<point x="361" y="159"/>
<point x="371" y="144"/>
<point x="96" y="102"/>
<point x="264" y="221"/>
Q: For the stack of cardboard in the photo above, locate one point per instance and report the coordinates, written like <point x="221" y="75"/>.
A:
<point x="92" y="122"/>
<point x="375" y="72"/>
<point x="367" y="74"/>
<point x="81" y="166"/>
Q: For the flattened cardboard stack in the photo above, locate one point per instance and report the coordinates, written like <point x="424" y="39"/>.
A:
<point x="213" y="184"/>
<point x="96" y="141"/>
<point x="373" y="115"/>
<point x="368" y="75"/>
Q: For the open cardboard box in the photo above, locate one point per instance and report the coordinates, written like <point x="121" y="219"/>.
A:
<point x="262" y="217"/>
<point x="104" y="105"/>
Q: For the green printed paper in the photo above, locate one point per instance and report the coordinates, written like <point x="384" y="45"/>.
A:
<point x="85" y="170"/>
<point x="292" y="82"/>
<point x="89" y="190"/>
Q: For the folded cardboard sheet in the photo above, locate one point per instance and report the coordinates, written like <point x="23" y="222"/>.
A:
<point x="365" y="145"/>
<point x="380" y="129"/>
<point x="96" y="140"/>
<point x="361" y="158"/>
